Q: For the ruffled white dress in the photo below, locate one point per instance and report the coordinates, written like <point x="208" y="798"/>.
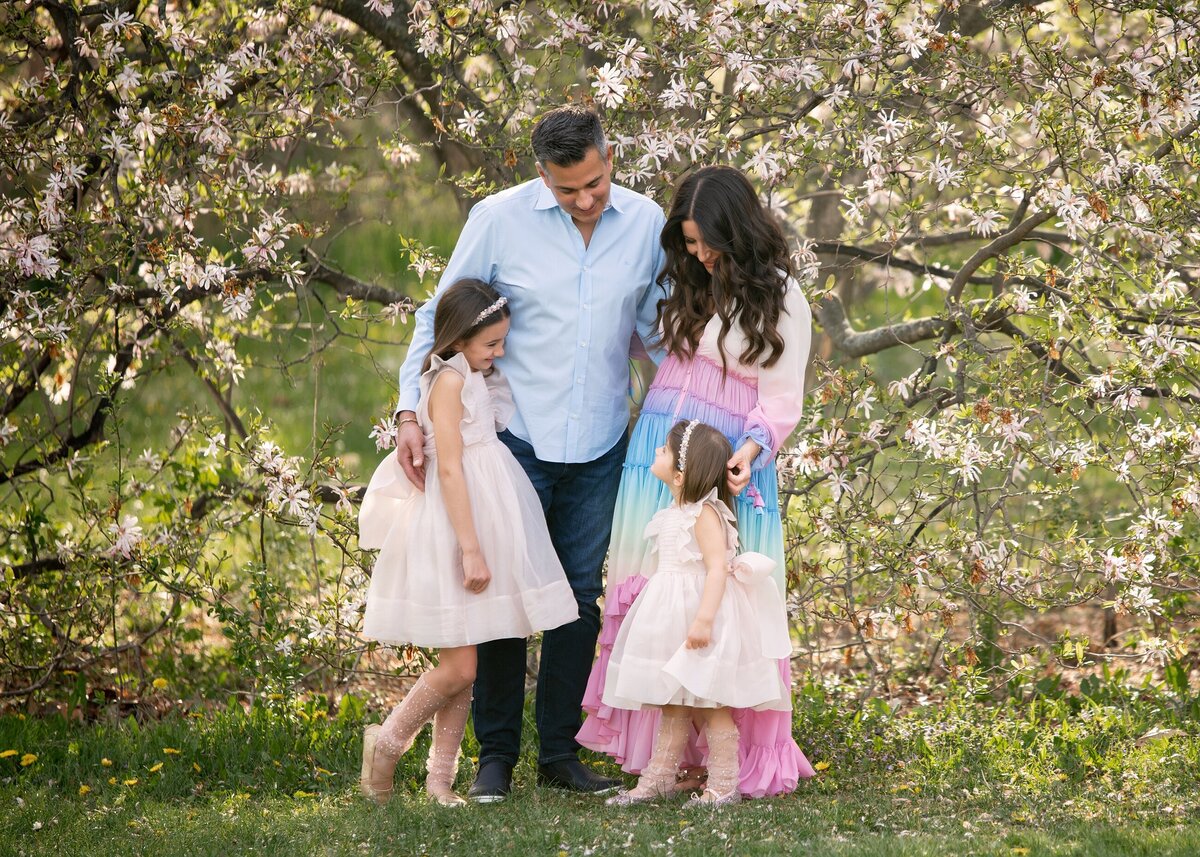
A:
<point x="416" y="594"/>
<point x="651" y="664"/>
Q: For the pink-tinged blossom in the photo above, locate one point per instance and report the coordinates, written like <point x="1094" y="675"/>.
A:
<point x="218" y="83"/>
<point x="1012" y="430"/>
<point x="35" y="257"/>
<point x="127" y="80"/>
<point x="127" y="535"/>
<point x="986" y="223"/>
<point x="215" y="445"/>
<point x="610" y="86"/>
<point x="147" y="128"/>
<point x="468" y="123"/>
<point x="384" y="434"/>
<point x="381" y="7"/>
<point x="765" y="164"/>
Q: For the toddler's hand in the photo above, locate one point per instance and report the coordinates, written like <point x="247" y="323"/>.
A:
<point x="700" y="634"/>
<point x="476" y="575"/>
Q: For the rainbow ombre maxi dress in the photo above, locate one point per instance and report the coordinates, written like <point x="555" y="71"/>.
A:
<point x="747" y="401"/>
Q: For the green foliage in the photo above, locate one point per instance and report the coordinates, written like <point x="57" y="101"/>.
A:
<point x="1060" y="775"/>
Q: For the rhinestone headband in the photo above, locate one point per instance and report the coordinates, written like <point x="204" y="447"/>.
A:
<point x="683" y="444"/>
<point x="491" y="309"/>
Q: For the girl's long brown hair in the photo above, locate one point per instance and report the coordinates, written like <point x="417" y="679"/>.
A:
<point x="708" y="453"/>
<point x="749" y="280"/>
<point x="454" y="317"/>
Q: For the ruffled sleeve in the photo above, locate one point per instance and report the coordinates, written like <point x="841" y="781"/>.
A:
<point x="781" y="385"/>
<point x="689" y="549"/>
<point x="457" y="364"/>
<point x="655" y="527"/>
<point x="502" y="398"/>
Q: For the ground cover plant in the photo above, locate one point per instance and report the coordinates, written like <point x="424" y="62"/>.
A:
<point x="1095" y="773"/>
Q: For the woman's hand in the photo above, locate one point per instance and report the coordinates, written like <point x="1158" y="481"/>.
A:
<point x="739" y="466"/>
<point x="700" y="634"/>
<point x="476" y="575"/>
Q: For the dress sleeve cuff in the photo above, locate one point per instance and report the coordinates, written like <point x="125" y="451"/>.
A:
<point x="760" y="435"/>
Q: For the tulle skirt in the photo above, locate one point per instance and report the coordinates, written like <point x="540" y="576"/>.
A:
<point x="416" y="593"/>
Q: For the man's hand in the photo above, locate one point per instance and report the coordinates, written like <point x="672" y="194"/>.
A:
<point x="739" y="467"/>
<point x="476" y="574"/>
<point x="410" y="449"/>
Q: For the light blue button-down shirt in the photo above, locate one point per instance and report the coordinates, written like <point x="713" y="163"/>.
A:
<point x="575" y="312"/>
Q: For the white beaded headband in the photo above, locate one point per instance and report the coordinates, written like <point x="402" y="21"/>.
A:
<point x="491" y="309"/>
<point x="683" y="444"/>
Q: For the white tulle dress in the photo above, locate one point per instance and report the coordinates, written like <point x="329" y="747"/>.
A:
<point x="651" y="664"/>
<point x="416" y="594"/>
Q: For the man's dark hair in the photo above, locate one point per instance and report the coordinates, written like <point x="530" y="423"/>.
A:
<point x="563" y="136"/>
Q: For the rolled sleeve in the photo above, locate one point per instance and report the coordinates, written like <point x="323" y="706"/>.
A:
<point x="473" y="256"/>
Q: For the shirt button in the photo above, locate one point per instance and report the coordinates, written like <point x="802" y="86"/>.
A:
<point x="583" y="343"/>
<point x="587" y="268"/>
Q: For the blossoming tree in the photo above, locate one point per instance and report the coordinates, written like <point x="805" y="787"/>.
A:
<point x="994" y="208"/>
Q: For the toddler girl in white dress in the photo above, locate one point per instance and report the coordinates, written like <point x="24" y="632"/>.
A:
<point x="706" y="632"/>
<point x="468" y="559"/>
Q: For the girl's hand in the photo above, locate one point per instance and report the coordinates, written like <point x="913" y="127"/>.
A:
<point x="739" y="466"/>
<point x="700" y="634"/>
<point x="476" y="575"/>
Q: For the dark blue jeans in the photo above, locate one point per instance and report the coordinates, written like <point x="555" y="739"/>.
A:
<point x="578" y="500"/>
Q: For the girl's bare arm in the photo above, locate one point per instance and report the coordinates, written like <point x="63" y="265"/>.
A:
<point x="446" y="413"/>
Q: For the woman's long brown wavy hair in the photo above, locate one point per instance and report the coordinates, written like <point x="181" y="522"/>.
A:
<point x="749" y="280"/>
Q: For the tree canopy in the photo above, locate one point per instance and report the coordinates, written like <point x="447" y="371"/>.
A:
<point x="994" y="208"/>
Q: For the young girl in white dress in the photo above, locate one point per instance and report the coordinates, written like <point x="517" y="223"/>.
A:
<point x="707" y="631"/>
<point x="468" y="559"/>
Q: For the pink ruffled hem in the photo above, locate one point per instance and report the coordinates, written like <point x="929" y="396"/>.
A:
<point x="771" y="762"/>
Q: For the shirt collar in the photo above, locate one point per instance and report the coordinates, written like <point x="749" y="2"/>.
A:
<point x="545" y="198"/>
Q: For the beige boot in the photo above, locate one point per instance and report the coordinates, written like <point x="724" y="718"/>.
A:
<point x="448" y="726"/>
<point x="383" y="745"/>
<point x="658" y="777"/>
<point x="724" y="771"/>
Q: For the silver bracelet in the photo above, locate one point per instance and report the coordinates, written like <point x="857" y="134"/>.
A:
<point x="406" y="420"/>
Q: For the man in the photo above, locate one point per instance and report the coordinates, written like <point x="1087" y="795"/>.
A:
<point x="578" y="259"/>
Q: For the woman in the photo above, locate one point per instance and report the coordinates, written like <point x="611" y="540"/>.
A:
<point x="737" y="332"/>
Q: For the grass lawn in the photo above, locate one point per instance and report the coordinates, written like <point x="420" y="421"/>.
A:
<point x="950" y="779"/>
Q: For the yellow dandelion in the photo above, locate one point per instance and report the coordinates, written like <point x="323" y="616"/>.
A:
<point x="8" y="753"/>
<point x="106" y="763"/>
<point x="156" y="767"/>
<point x="195" y="767"/>
<point x="302" y="794"/>
<point x="822" y="766"/>
<point x="160" y="683"/>
<point x="1019" y="850"/>
<point x="170" y="751"/>
<point x="28" y="759"/>
<point x="132" y="781"/>
<point x="83" y="790"/>
<point x="112" y="781"/>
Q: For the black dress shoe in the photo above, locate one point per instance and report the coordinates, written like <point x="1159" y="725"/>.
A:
<point x="492" y="783"/>
<point x="573" y="775"/>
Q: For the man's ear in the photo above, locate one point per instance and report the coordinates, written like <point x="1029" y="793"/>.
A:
<point x="545" y="176"/>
